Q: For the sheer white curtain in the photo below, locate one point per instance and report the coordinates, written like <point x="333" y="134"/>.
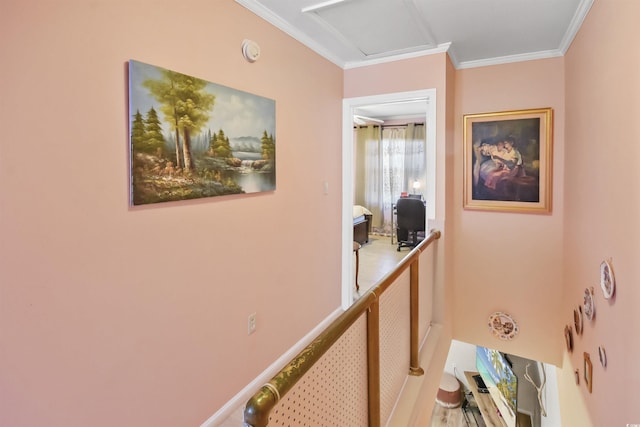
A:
<point x="393" y="160"/>
<point x="370" y="167"/>
<point x="415" y="157"/>
<point x="393" y="165"/>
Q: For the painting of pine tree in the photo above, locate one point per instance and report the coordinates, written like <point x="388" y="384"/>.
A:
<point x="190" y="138"/>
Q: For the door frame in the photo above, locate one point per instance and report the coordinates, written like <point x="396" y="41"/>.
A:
<point x="348" y="107"/>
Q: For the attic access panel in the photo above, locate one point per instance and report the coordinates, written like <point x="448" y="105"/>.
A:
<point x="376" y="27"/>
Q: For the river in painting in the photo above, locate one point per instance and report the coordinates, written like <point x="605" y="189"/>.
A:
<point x="251" y="180"/>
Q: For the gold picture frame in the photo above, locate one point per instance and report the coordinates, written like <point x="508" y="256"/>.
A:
<point x="508" y="161"/>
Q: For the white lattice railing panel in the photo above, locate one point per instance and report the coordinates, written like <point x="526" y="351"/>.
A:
<point x="334" y="391"/>
<point x="394" y="343"/>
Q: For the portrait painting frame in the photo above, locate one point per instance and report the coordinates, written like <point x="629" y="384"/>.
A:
<point x="507" y="163"/>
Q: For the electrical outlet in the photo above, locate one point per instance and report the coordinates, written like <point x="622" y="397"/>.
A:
<point x="252" y="323"/>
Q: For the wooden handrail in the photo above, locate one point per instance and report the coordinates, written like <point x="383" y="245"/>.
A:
<point x="256" y="413"/>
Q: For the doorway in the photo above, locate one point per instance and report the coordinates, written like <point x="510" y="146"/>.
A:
<point x="398" y="104"/>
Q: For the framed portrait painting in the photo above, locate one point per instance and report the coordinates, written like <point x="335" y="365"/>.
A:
<point x="507" y="161"/>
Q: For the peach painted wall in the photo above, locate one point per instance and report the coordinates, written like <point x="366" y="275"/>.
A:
<point x="510" y="262"/>
<point x="427" y="72"/>
<point x="602" y="208"/>
<point x="113" y="315"/>
<point x="524" y="249"/>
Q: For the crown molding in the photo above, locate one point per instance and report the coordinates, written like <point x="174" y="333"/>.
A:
<point x="257" y="8"/>
<point x="281" y="24"/>
<point x="510" y="59"/>
<point x="576" y="23"/>
<point x="444" y="47"/>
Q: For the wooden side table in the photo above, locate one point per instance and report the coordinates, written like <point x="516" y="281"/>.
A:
<point x="356" y="249"/>
<point x="394" y="213"/>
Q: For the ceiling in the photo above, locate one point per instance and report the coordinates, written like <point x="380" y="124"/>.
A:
<point x="353" y="33"/>
<point x="474" y="33"/>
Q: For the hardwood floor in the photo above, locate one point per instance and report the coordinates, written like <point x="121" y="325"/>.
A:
<point x="455" y="417"/>
<point x="377" y="258"/>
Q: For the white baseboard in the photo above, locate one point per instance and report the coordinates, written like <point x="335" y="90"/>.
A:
<point x="402" y="412"/>
<point x="240" y="399"/>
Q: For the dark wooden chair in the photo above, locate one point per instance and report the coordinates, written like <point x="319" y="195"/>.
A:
<point x="411" y="221"/>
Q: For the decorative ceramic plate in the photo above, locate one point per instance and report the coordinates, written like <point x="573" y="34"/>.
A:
<point x="577" y="319"/>
<point x="503" y="326"/>
<point x="607" y="280"/>
<point x="589" y="304"/>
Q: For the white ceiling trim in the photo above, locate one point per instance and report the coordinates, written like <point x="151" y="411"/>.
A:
<point x="266" y="14"/>
<point x="384" y="59"/>
<point x="574" y="27"/>
<point x="283" y="25"/>
<point x="510" y="59"/>
<point x="576" y="23"/>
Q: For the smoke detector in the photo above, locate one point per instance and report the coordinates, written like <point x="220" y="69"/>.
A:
<point x="250" y="50"/>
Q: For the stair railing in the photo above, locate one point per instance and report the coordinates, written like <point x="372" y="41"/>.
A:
<point x="258" y="408"/>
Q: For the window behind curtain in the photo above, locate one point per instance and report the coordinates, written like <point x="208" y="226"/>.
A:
<point x="393" y="159"/>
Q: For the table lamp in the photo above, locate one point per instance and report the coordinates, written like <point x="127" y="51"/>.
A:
<point x="416" y="186"/>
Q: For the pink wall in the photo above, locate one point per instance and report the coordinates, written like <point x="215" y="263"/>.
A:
<point x="119" y="316"/>
<point x="510" y="262"/>
<point x="602" y="211"/>
<point x="426" y="72"/>
<point x="113" y="315"/>
<point x="421" y="73"/>
<point x="535" y="266"/>
<point x="494" y="261"/>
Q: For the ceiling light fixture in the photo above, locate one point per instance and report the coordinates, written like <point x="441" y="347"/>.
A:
<point x="361" y="120"/>
<point x="319" y="6"/>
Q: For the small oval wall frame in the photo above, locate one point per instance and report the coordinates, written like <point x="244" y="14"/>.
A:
<point x="607" y="279"/>
<point x="589" y="304"/>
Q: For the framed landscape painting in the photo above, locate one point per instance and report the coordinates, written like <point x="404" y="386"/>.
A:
<point x="190" y="138"/>
<point x="507" y="161"/>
